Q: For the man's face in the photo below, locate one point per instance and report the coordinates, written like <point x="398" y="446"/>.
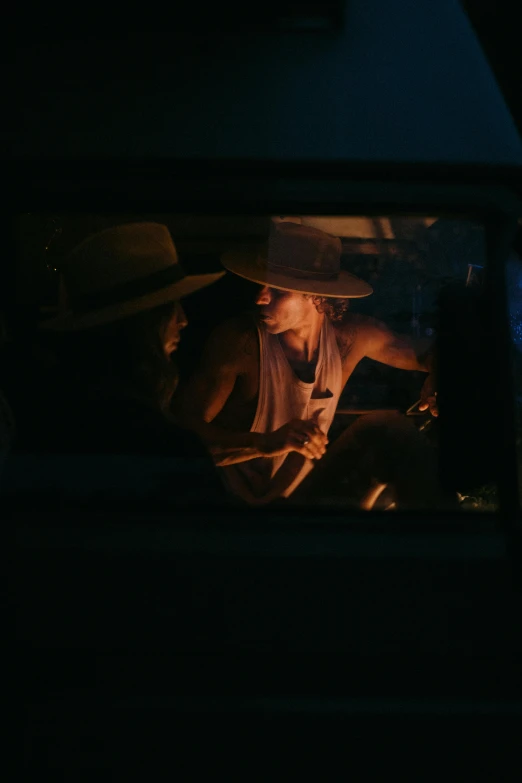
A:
<point x="281" y="311"/>
<point x="172" y="333"/>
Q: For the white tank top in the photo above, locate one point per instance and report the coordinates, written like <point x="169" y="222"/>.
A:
<point x="282" y="397"/>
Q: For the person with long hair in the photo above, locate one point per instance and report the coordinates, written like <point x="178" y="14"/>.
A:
<point x="99" y="433"/>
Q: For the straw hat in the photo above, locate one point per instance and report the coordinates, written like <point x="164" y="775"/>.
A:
<point x="298" y="258"/>
<point x="122" y="271"/>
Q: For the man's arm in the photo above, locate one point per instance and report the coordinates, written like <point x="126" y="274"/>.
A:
<point x="378" y="342"/>
<point x="224" y="360"/>
<point x="370" y="338"/>
<point x="230" y="354"/>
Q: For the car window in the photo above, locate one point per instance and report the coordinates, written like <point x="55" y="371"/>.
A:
<point x="358" y="379"/>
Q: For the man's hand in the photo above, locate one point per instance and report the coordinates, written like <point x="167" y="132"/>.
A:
<point x="303" y="436"/>
<point x="429" y="396"/>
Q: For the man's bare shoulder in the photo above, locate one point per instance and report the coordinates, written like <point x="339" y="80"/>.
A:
<point x="352" y="332"/>
<point x="234" y="341"/>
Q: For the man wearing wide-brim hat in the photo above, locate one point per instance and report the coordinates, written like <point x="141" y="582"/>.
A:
<point x="268" y="388"/>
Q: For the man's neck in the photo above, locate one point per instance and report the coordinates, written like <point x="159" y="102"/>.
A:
<point x="302" y="342"/>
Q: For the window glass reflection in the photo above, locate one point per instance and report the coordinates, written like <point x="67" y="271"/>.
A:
<point x="252" y="361"/>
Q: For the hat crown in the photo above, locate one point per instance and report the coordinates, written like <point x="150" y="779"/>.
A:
<point x="303" y="249"/>
<point x="118" y="256"/>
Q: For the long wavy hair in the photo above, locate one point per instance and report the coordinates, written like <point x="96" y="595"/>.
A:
<point x="128" y="352"/>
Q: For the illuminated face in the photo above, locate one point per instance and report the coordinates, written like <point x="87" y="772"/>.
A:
<point x="172" y="333"/>
<point x="281" y="311"/>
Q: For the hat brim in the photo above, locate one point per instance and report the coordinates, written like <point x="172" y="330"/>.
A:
<point x="70" y="321"/>
<point x="250" y="265"/>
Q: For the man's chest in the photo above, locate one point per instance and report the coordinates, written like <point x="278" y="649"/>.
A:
<point x="246" y="389"/>
<point x="300" y="368"/>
